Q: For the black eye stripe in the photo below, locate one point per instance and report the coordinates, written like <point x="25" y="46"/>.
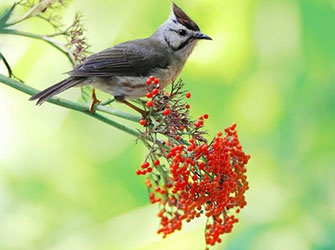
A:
<point x="178" y="32"/>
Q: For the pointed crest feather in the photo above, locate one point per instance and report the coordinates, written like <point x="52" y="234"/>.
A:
<point x="183" y="18"/>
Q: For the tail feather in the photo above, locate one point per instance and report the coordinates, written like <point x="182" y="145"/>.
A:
<point x="44" y="95"/>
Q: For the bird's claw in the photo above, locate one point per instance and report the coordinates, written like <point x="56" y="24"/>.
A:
<point x="94" y="102"/>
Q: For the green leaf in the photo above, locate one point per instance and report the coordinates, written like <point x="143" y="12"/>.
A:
<point x="4" y="17"/>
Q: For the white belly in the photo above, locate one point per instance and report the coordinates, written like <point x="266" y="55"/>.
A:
<point x="132" y="87"/>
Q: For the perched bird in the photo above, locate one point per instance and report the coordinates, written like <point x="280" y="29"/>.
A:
<point x="123" y="69"/>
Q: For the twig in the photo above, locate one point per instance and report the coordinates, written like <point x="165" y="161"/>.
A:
<point x="54" y="43"/>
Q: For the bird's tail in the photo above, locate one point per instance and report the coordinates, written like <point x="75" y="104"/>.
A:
<point x="44" y="95"/>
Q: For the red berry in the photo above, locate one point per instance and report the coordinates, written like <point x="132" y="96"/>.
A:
<point x="188" y="95"/>
<point x="150" y="103"/>
<point x="219" y="133"/>
<point x="145" y="165"/>
<point x="143" y="122"/>
<point x="149" y="82"/>
<point x="155" y="91"/>
<point x="149" y="170"/>
<point x="152" y="78"/>
<point x="206" y="116"/>
<point x="156" y="163"/>
<point x="149" y="95"/>
<point x="233" y="126"/>
<point x="138" y="172"/>
<point x="167" y="112"/>
<point x="187" y="106"/>
<point x="156" y="81"/>
<point x="177" y="138"/>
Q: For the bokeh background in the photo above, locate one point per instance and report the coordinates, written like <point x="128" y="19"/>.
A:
<point x="68" y="182"/>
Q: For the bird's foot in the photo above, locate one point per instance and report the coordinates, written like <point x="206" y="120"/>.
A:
<point x="141" y="111"/>
<point x="94" y="102"/>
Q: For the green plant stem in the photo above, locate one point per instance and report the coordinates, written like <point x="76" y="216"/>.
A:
<point x="118" y="113"/>
<point x="79" y="107"/>
<point x="52" y="42"/>
<point x="10" y="73"/>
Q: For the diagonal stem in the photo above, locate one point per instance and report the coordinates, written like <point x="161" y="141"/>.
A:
<point x="79" y="107"/>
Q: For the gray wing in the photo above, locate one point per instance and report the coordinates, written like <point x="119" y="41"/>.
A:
<point x="134" y="58"/>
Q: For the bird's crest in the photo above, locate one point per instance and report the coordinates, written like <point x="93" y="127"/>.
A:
<point x="183" y="18"/>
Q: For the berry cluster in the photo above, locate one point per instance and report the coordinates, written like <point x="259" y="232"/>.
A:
<point x="193" y="177"/>
<point x="145" y="169"/>
<point x="206" y="179"/>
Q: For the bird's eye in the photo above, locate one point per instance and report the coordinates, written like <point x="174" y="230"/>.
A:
<point x="182" y="32"/>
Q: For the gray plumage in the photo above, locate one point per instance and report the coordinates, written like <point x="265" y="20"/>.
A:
<point x="123" y="69"/>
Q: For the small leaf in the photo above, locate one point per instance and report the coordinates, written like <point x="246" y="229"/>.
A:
<point x="2" y="58"/>
<point x="4" y="17"/>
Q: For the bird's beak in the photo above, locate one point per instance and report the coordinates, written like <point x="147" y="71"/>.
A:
<point x="202" y="36"/>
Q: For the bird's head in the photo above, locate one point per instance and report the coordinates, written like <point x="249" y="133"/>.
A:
<point x="180" y="33"/>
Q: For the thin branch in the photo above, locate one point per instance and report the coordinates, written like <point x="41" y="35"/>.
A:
<point x="118" y="113"/>
<point x="54" y="43"/>
<point x="78" y="107"/>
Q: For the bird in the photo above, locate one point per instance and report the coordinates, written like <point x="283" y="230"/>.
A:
<point x="123" y="69"/>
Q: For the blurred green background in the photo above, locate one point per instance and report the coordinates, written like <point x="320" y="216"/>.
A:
<point x="68" y="182"/>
